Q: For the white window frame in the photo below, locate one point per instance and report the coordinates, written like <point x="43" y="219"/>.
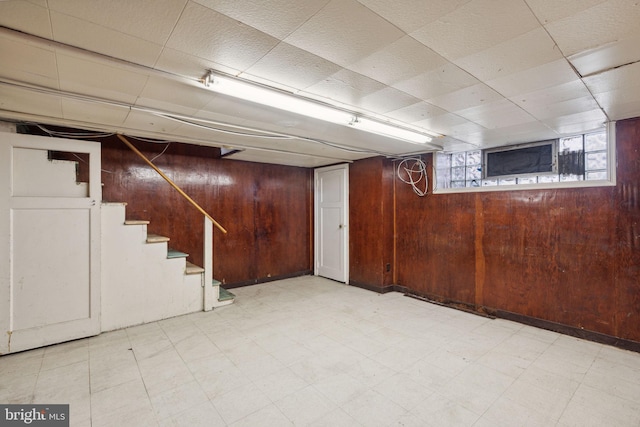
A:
<point x="611" y="173"/>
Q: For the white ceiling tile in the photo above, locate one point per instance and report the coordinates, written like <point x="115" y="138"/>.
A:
<point x="218" y="38"/>
<point x="29" y="102"/>
<point x="91" y="112"/>
<point x="444" y="123"/>
<point x="621" y="103"/>
<point x="578" y="122"/>
<point x="606" y="57"/>
<point x="619" y="78"/>
<point x="290" y="159"/>
<point x="345" y="87"/>
<point x="274" y="17"/>
<point x="524" y="52"/>
<point x="416" y="112"/>
<point x="385" y="100"/>
<point x="562" y="108"/>
<point x="597" y="26"/>
<point x="553" y="10"/>
<point x="262" y="119"/>
<point x="516" y="134"/>
<point x="148" y="123"/>
<point x="286" y="145"/>
<point x="355" y="54"/>
<point x="617" y="91"/>
<point x="186" y="65"/>
<point x="151" y="20"/>
<point x="467" y="97"/>
<point x="401" y="60"/>
<point x="444" y="79"/>
<point x="28" y="17"/>
<point x="99" y="79"/>
<point x="541" y="98"/>
<point x="498" y="114"/>
<point x="409" y="15"/>
<point x="174" y="96"/>
<point x="344" y="32"/>
<point x="106" y="41"/>
<point x="533" y="79"/>
<point x="476" y="26"/>
<point x="291" y="66"/>
<point x="29" y="63"/>
<point x="464" y="131"/>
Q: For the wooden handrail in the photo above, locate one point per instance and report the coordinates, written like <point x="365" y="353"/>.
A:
<point x="173" y="184"/>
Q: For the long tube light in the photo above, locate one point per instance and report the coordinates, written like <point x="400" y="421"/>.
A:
<point x="294" y="104"/>
<point x="391" y="131"/>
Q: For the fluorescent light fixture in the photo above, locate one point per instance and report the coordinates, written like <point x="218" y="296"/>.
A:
<point x="390" y="131"/>
<point x="276" y="99"/>
<point x="295" y="104"/>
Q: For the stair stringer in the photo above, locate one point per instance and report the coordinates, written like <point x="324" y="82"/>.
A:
<point x="139" y="283"/>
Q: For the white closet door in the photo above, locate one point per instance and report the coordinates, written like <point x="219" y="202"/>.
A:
<point x="50" y="243"/>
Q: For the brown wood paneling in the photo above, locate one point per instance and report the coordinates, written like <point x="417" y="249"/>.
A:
<point x="435" y="243"/>
<point x="565" y="256"/>
<point x="265" y="208"/>
<point x="548" y="255"/>
<point x="388" y="222"/>
<point x="281" y="213"/>
<point x="370" y="222"/>
<point x="627" y="278"/>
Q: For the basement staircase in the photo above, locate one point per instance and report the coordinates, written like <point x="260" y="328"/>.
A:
<point x="151" y="280"/>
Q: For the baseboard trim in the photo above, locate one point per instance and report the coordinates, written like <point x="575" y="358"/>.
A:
<point x="560" y="328"/>
<point x="266" y="279"/>
<point x="373" y="288"/>
<point x="570" y="330"/>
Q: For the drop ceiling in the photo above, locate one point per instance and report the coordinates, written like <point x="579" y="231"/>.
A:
<point x="482" y="73"/>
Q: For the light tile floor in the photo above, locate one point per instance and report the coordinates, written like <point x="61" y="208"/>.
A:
<point x="309" y="351"/>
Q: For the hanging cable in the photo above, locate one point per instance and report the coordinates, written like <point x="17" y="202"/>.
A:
<point x="413" y="171"/>
<point x="165" y="149"/>
<point x="78" y="135"/>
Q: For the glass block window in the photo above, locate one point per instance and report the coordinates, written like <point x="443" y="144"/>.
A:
<point x="579" y="158"/>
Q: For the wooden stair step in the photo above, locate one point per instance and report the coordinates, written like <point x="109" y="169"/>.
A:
<point x="193" y="269"/>
<point x="173" y="253"/>
<point x="136" y="222"/>
<point x="156" y="238"/>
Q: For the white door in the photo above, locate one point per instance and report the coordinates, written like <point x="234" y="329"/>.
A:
<point x="331" y="222"/>
<point x="49" y="242"/>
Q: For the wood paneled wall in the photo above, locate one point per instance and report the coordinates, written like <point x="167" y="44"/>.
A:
<point x="371" y="222"/>
<point x="569" y="256"/>
<point x="265" y="208"/>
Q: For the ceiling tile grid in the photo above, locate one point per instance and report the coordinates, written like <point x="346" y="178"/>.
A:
<point x="532" y="49"/>
<point x="278" y="18"/>
<point x="291" y="67"/>
<point x="481" y="72"/>
<point x="344" y="32"/>
<point x="213" y="36"/>
<point x="409" y="15"/>
<point x="604" y="23"/>
<point x="29" y="17"/>
<point x="28" y="63"/>
<point x="95" y="78"/>
<point x="151" y="20"/>
<point x="533" y="79"/>
<point x="104" y="40"/>
<point x="437" y="82"/>
<point x="401" y="60"/>
<point x="476" y="26"/>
